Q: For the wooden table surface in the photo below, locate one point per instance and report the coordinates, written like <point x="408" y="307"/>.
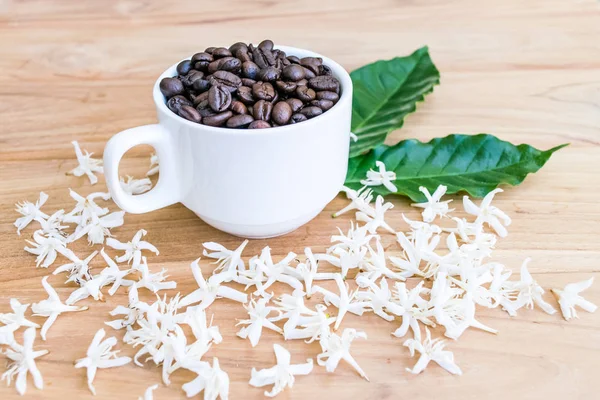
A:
<point x="527" y="71"/>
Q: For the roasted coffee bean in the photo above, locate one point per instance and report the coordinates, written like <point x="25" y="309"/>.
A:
<point x="201" y="66"/>
<point x="250" y="69"/>
<point x="311" y="111"/>
<point x="325" y="70"/>
<point x="328" y="83"/>
<point x="202" y="57"/>
<point x="244" y="93"/>
<point x="263" y="58"/>
<point x="217" y="119"/>
<point x="259" y="124"/>
<point x="282" y="112"/>
<point x="263" y="91"/>
<point x="239" y="121"/>
<point x="228" y="79"/>
<point x="262" y="110"/>
<point x="269" y="74"/>
<point x="176" y="102"/>
<point x="170" y="87"/>
<point x="311" y="63"/>
<point x="201" y="85"/>
<point x="293" y="59"/>
<point x="295" y="104"/>
<point x="305" y="93"/>
<point x="221" y="52"/>
<point x="230" y="64"/>
<point x="322" y="104"/>
<point x="190" y="113"/>
<point x="243" y="55"/>
<point x="297" y="118"/>
<point x="302" y="82"/>
<point x="326" y="95"/>
<point x="308" y="74"/>
<point x="238" y="46"/>
<point x="250" y="111"/>
<point x="210" y="50"/>
<point x="192" y="76"/>
<point x="200" y="98"/>
<point x="293" y="73"/>
<point x="238" y="107"/>
<point x="204" y="109"/>
<point x="184" y="67"/>
<point x="285" y="87"/>
<point x="219" y="98"/>
<point x="266" y="44"/>
<point x="248" y="82"/>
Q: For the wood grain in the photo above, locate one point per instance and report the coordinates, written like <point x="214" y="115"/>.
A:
<point x="525" y="71"/>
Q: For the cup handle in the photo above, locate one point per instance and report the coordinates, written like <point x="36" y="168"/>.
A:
<point x="168" y="188"/>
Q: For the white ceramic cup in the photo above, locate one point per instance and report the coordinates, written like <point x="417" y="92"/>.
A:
<point x="253" y="183"/>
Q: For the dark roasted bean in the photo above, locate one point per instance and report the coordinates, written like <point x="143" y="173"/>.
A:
<point x="308" y="74"/>
<point x="239" y="121"/>
<point x="221" y="52"/>
<point x="238" y="46"/>
<point x="322" y="104"/>
<point x="228" y="79"/>
<point x="259" y="124"/>
<point x="262" y="110"/>
<point x="297" y="118"/>
<point x="325" y="70"/>
<point x="293" y="73"/>
<point x="295" y="104"/>
<point x="266" y="44"/>
<point x="328" y="83"/>
<point x="248" y="82"/>
<point x="192" y="76"/>
<point x="244" y="93"/>
<point x="302" y="82"/>
<point x="285" y="87"/>
<point x="238" y="107"/>
<point x="311" y="111"/>
<point x="282" y="112"/>
<point x="293" y="59"/>
<point x="176" y="102"/>
<point x="219" y="98"/>
<point x="250" y="69"/>
<point x="184" y="67"/>
<point x="201" y="85"/>
<point x="202" y="57"/>
<point x="269" y="74"/>
<point x="210" y="50"/>
<point x="170" y="87"/>
<point x="263" y="91"/>
<point x="204" y="109"/>
<point x="217" y="119"/>
<point x="190" y="113"/>
<point x="200" y="98"/>
<point x="326" y="95"/>
<point x="230" y="64"/>
<point x="311" y="63"/>
<point x="305" y="93"/>
<point x="243" y="55"/>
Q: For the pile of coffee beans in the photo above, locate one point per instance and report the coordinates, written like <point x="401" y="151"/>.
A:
<point x="247" y="86"/>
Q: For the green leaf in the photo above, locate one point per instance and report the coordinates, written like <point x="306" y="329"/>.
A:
<point x="385" y="92"/>
<point x="476" y="164"/>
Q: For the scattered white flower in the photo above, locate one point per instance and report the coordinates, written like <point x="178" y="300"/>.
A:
<point x="87" y="164"/>
<point x="376" y="266"/>
<point x="209" y="291"/>
<point x="153" y="165"/>
<point x="100" y="355"/>
<point x="133" y="249"/>
<point x="51" y="308"/>
<point x="488" y="214"/>
<point x="148" y="393"/>
<point x="433" y="207"/>
<point x="135" y="186"/>
<point x="258" y="311"/>
<point x="229" y="261"/>
<point x="17" y="318"/>
<point x="88" y="288"/>
<point x="308" y="271"/>
<point x="375" y="217"/>
<point x="336" y="348"/>
<point x="98" y="227"/>
<point x="23" y="362"/>
<point x="52" y="226"/>
<point x="282" y="374"/>
<point x="530" y="292"/>
<point x="79" y="270"/>
<point x="381" y="177"/>
<point x="344" y="302"/>
<point x="276" y="272"/>
<point x="569" y="297"/>
<point x="113" y="274"/>
<point x="153" y="281"/>
<point x="131" y="313"/>
<point x="212" y="380"/>
<point x="416" y="309"/>
<point x="360" y="200"/>
<point x="46" y="248"/>
<point x="85" y="207"/>
<point x="431" y="350"/>
<point x="7" y="334"/>
<point x="30" y="212"/>
<point x="379" y="299"/>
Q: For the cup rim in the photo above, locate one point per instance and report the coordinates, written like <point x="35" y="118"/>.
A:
<point x="337" y="70"/>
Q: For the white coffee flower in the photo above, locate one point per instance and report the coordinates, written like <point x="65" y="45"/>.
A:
<point x="569" y="297"/>
<point x="87" y="164"/>
<point x="87" y="289"/>
<point x="153" y="165"/>
<point x="282" y="374"/>
<point x="258" y="311"/>
<point x="360" y="200"/>
<point x="23" y="362"/>
<point x="212" y="380"/>
<point x="229" y="261"/>
<point x="7" y="333"/>
<point x="133" y="186"/>
<point x="308" y="271"/>
<point x="85" y="207"/>
<point x="431" y="350"/>
<point x="345" y="302"/>
<point x="79" y="270"/>
<point x="51" y="308"/>
<point x="416" y="309"/>
<point x="134" y="311"/>
<point x="530" y="292"/>
<point x="374" y="217"/>
<point x="98" y="227"/>
<point x="113" y="274"/>
<point x="376" y="265"/>
<point x="433" y="207"/>
<point x="100" y="355"/>
<point x="153" y="281"/>
<point x="17" y="318"/>
<point x="133" y="249"/>
<point x="381" y="177"/>
<point x="488" y="214"/>
<point x="379" y="299"/>
<point x="292" y="308"/>
<point x="46" y="248"/>
<point x="336" y="348"/>
<point x="30" y="212"/>
<point x="281" y="271"/>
